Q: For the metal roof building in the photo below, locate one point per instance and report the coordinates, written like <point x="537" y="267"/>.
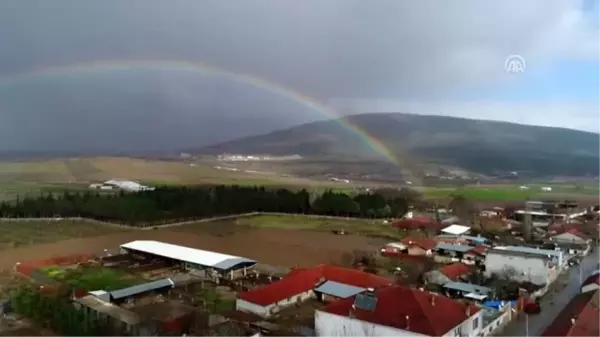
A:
<point x="141" y="288"/>
<point x="190" y="255"/>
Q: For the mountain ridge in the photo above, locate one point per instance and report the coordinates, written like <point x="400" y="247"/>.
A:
<point x="462" y="142"/>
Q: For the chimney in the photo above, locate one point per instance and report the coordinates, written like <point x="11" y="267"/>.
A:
<point x="433" y="300"/>
<point x="407" y="322"/>
<point x="371" y="290"/>
<point x="468" y="310"/>
<point x="573" y="319"/>
<point x="352" y="309"/>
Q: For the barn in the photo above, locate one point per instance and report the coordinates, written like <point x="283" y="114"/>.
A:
<point x="228" y="266"/>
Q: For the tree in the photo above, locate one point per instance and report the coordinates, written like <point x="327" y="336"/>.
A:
<point x="464" y="208"/>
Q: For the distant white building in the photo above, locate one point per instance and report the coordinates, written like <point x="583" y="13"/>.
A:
<point x="546" y="189"/>
<point x="126" y="185"/>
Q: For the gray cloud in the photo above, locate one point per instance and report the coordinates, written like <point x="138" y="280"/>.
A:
<point x="394" y="50"/>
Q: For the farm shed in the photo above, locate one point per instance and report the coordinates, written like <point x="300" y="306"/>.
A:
<point x="140" y="289"/>
<point x="122" y="320"/>
<point x="456" y="229"/>
<point x="191" y="258"/>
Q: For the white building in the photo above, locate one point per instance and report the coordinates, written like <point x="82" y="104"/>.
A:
<point x="126" y="185"/>
<point x="399" y="311"/>
<point x="524" y="264"/>
<point x="189" y="258"/>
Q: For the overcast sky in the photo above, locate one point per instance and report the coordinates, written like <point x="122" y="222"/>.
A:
<point x="417" y="56"/>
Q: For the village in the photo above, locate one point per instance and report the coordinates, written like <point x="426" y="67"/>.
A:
<point x="443" y="278"/>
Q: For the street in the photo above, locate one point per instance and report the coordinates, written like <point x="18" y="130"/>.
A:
<point x="565" y="287"/>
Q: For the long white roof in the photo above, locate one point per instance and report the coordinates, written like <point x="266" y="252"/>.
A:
<point x="187" y="254"/>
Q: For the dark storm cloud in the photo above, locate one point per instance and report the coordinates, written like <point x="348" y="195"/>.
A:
<point x="330" y="49"/>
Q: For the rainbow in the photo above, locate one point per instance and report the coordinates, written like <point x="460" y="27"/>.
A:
<point x="206" y="70"/>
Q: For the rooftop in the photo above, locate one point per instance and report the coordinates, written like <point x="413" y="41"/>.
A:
<point x="593" y="278"/>
<point x="455" y="270"/>
<point x="141" y="288"/>
<point x="527" y="250"/>
<point x="426" y="244"/>
<point x="337" y="289"/>
<point x="408" y="309"/>
<point x="454" y="248"/>
<point x="468" y="288"/>
<point x="116" y="312"/>
<point x="305" y="279"/>
<point x="456" y="229"/>
<point x="186" y="254"/>
<point x="417" y="223"/>
<point x="578" y="318"/>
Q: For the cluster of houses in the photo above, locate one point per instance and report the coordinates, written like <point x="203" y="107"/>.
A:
<point x="119" y="184"/>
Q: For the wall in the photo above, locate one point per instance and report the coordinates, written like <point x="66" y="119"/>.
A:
<point x="327" y="324"/>
<point x="535" y="268"/>
<point x="266" y="311"/>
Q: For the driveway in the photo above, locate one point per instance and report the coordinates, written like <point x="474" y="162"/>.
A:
<point x="566" y="286"/>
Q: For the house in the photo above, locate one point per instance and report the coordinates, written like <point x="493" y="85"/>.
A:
<point x="394" y="248"/>
<point x="524" y="264"/>
<point x="452" y="239"/>
<point x="419" y="246"/>
<point x="591" y="283"/>
<point x="475" y="256"/>
<point x="467" y="290"/>
<point x="448" y="253"/>
<point x="398" y="311"/>
<point x="324" y="283"/>
<point x="578" y="318"/>
<point x="573" y="241"/>
<point x="447" y="274"/>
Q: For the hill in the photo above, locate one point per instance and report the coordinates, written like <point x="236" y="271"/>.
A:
<point x="485" y="147"/>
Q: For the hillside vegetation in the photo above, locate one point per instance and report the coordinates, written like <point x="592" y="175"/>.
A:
<point x="485" y="147"/>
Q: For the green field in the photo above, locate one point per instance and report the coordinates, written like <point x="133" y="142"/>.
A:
<point x="364" y="227"/>
<point x="92" y="278"/>
<point x="17" y="233"/>
<point x="504" y="192"/>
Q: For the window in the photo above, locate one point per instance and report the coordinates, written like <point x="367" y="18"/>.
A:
<point x="458" y="331"/>
<point x="476" y="323"/>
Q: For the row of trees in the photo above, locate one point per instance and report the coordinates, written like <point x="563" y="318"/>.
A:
<point x="169" y="204"/>
<point x="57" y="313"/>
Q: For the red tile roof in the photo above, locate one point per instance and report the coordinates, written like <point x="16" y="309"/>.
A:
<point x="593" y="278"/>
<point x="583" y="308"/>
<point x="428" y="314"/>
<point x="424" y="243"/>
<point x="304" y="279"/>
<point x="455" y="270"/>
<point x="577" y="233"/>
<point x="418" y="223"/>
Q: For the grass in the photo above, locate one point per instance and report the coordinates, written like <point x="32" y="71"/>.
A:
<point x="15" y="233"/>
<point x="364" y="227"/>
<point x="92" y="278"/>
<point x="508" y="192"/>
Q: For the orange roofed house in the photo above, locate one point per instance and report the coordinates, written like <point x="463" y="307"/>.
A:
<point x="398" y="311"/>
<point x="324" y="283"/>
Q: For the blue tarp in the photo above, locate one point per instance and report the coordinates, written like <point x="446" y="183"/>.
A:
<point x="497" y="304"/>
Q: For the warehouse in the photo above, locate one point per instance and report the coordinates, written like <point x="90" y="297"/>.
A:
<point x="191" y="259"/>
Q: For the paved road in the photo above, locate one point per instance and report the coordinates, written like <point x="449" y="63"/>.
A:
<point x="566" y="286"/>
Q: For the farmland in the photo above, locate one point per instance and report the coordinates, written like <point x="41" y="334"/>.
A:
<point x="19" y="233"/>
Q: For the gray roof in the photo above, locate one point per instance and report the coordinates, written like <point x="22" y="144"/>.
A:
<point x="339" y="289"/>
<point x="116" y="312"/>
<point x="233" y="262"/>
<point x="528" y="250"/>
<point x="474" y="238"/>
<point x="455" y="248"/>
<point x="468" y="287"/>
<point x="141" y="288"/>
